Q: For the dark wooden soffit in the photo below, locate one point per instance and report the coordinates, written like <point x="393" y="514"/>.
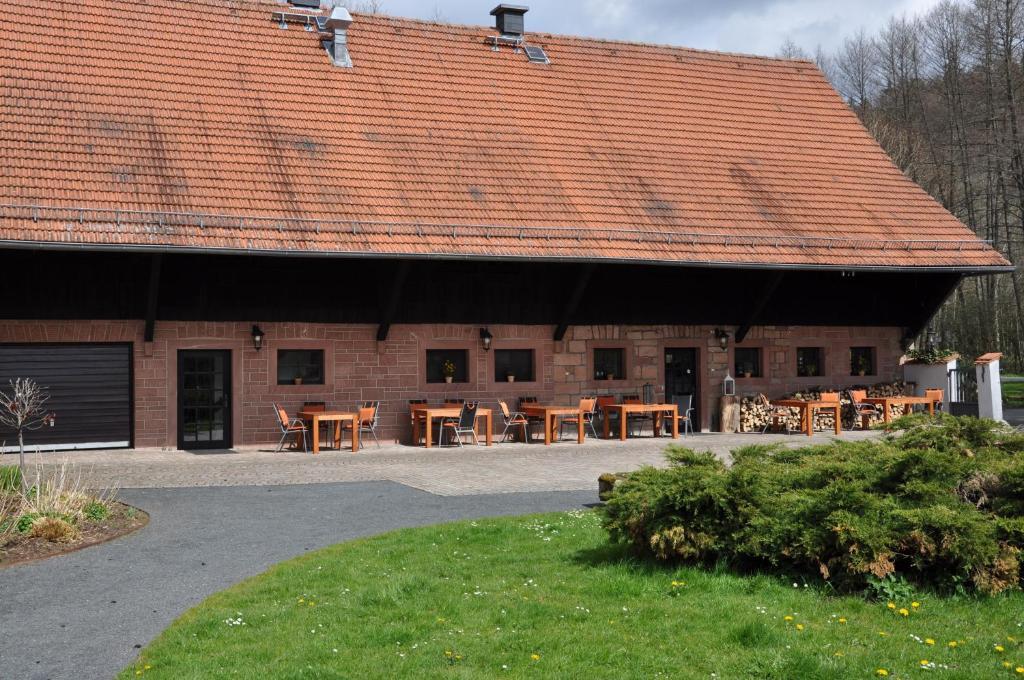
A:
<point x="573" y="303"/>
<point x="760" y="303"/>
<point x="153" y="295"/>
<point x="394" y="297"/>
<point x="930" y="307"/>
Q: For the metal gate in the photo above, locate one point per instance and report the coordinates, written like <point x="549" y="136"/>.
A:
<point x="963" y="392"/>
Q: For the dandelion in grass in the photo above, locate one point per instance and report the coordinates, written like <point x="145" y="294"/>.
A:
<point x="904" y="612"/>
<point x="930" y="642"/>
<point x="1019" y="670"/>
<point x="952" y="644"/>
<point x="1007" y="664"/>
<point x="787" y="618"/>
<point x="915" y="605"/>
<point x="891" y="605"/>
<point x="882" y="673"/>
<point x="842" y="620"/>
<point x="535" y="657"/>
<point x="1000" y="649"/>
<point x="800" y="627"/>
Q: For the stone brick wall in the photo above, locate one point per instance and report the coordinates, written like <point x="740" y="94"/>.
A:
<point x="358" y="367"/>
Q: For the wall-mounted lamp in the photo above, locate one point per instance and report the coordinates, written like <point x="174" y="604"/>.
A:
<point x="257" y="338"/>
<point x="723" y="338"/>
<point x="51" y="419"/>
<point x="485" y="338"/>
<point x="933" y="338"/>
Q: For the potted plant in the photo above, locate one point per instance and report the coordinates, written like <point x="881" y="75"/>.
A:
<point x="862" y="366"/>
<point x="511" y="377"/>
<point x="610" y="376"/>
<point x="448" y="370"/>
<point x="747" y="374"/>
<point x="297" y="380"/>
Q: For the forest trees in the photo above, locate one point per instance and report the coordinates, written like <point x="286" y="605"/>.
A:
<point x="943" y="93"/>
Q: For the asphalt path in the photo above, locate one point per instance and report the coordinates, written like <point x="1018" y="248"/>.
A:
<point x="87" y="614"/>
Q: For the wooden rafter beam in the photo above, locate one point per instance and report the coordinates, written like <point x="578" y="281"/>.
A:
<point x="573" y="303"/>
<point x="394" y="297"/>
<point x="759" y="306"/>
<point x="153" y="296"/>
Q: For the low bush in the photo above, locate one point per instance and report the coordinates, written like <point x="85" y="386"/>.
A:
<point x="96" y="511"/>
<point x="54" y="529"/>
<point x="938" y="502"/>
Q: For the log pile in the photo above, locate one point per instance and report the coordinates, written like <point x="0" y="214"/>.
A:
<point x="754" y="415"/>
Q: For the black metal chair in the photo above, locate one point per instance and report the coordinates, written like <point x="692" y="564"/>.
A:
<point x="463" y="425"/>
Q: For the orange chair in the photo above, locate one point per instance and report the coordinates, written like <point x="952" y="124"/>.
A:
<point x="514" y="420"/>
<point x="290" y="426"/>
<point x="937" y="396"/>
<point x="368" y="420"/>
<point x="587" y="406"/>
<point x="865" y="411"/>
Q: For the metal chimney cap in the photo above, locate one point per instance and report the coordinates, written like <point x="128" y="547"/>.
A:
<point x="340" y="19"/>
<point x="509" y="9"/>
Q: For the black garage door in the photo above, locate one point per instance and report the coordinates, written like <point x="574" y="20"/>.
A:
<point x="90" y="393"/>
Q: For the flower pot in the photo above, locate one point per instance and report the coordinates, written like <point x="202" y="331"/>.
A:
<point x="510" y="378"/>
<point x="611" y="376"/>
<point x="860" y="373"/>
<point x="297" y="381"/>
<point x="747" y="374"/>
<point x="448" y="378"/>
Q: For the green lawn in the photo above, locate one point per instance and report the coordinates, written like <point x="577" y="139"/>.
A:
<point x="546" y="597"/>
<point x="1013" y="394"/>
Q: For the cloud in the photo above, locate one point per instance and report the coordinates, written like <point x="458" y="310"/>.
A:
<point x="757" y="26"/>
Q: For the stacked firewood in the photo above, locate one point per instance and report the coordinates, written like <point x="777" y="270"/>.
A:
<point x="754" y="415"/>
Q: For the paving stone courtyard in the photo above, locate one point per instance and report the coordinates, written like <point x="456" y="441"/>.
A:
<point x="473" y="470"/>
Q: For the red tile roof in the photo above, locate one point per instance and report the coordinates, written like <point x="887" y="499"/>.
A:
<point x="175" y="123"/>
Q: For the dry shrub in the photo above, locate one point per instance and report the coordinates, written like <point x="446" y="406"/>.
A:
<point x="54" y="529"/>
<point x="10" y="509"/>
<point x="59" y="490"/>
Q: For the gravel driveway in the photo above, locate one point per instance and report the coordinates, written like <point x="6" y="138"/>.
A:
<point x="86" y="615"/>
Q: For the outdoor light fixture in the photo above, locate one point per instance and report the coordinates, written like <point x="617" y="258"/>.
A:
<point x="933" y="338"/>
<point x="485" y="338"/>
<point x="723" y="338"/>
<point x="257" y="338"/>
<point x="729" y="385"/>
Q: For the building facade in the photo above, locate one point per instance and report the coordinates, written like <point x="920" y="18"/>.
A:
<point x="194" y="226"/>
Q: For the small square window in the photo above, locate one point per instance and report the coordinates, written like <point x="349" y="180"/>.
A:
<point x="609" y="363"/>
<point x="862" y="361"/>
<point x="748" y="362"/>
<point x="513" y="364"/>
<point x="300" y="366"/>
<point x="442" y="363"/>
<point x="810" y="362"/>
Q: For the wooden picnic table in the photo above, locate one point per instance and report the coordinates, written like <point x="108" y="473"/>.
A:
<point x="906" y="402"/>
<point x="424" y="417"/>
<point x="807" y="409"/>
<point x="550" y="415"/>
<point x="337" y="418"/>
<point x="658" y="411"/>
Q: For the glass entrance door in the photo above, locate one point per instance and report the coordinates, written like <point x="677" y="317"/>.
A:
<point x="681" y="380"/>
<point x="204" y="399"/>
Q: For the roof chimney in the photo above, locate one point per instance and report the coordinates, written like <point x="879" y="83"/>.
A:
<point x="338" y="22"/>
<point x="509" y="19"/>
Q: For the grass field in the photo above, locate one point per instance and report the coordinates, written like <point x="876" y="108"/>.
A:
<point x="547" y="597"/>
<point x="1013" y="394"/>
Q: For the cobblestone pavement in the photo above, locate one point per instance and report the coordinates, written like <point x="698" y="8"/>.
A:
<point x="502" y="468"/>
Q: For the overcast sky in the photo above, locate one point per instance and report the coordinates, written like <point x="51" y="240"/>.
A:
<point x="753" y="26"/>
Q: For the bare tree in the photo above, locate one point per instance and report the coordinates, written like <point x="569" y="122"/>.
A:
<point x="790" y="50"/>
<point x="856" y="68"/>
<point x="23" y="410"/>
<point x="366" y="6"/>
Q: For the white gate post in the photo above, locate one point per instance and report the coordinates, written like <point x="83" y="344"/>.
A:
<point x="990" y="388"/>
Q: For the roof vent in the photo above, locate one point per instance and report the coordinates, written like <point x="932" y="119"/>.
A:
<point x="338" y="23"/>
<point x="310" y="4"/>
<point x="509" y="19"/>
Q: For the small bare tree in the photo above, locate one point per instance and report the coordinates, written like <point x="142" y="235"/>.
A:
<point x="23" y="410"/>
